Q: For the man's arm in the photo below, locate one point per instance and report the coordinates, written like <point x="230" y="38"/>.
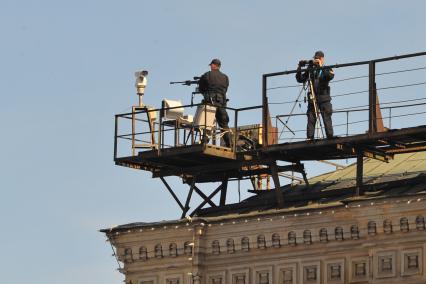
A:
<point x="203" y="84"/>
<point x="328" y="74"/>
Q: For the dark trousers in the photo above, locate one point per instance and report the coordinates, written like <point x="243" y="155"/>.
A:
<point x="326" y="111"/>
<point x="222" y="118"/>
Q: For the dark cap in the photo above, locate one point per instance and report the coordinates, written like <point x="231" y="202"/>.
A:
<point x="216" y="62"/>
<point x="319" y="54"/>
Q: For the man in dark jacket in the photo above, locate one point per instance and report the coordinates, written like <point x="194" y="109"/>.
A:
<point x="214" y="85"/>
<point x="320" y="79"/>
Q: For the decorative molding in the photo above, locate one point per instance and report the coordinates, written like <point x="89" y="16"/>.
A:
<point x="411" y="262"/>
<point x="287" y="273"/>
<point x="359" y="269"/>
<point x="384" y="264"/>
<point x="310" y="272"/>
<point x="334" y="271"/>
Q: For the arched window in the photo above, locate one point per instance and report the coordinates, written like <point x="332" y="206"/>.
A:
<point x="173" y="250"/>
<point x="354" y="232"/>
<point x="323" y="235"/>
<point x="387" y="226"/>
<point x="215" y="247"/>
<point x="403" y="224"/>
<point x="230" y="247"/>
<point x="187" y="248"/>
<point x="158" y="250"/>
<point x="338" y="233"/>
<point x="276" y="242"/>
<point x="261" y="243"/>
<point x="372" y="228"/>
<point x="245" y="244"/>
<point x="143" y="253"/>
<point x="420" y="223"/>
<point x="128" y="255"/>
<point x="307" y="237"/>
<point x="292" y="238"/>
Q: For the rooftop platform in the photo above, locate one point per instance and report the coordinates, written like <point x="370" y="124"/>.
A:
<point x="174" y="146"/>
<point x="214" y="163"/>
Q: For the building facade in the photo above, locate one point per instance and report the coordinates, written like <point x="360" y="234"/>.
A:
<point x="378" y="238"/>
<point x="364" y="242"/>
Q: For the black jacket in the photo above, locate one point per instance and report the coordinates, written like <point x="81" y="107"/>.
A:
<point x="321" y="78"/>
<point x="213" y="82"/>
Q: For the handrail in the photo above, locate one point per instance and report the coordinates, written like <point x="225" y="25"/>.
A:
<point x="372" y="126"/>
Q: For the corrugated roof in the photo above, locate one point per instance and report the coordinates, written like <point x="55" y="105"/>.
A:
<point x="404" y="175"/>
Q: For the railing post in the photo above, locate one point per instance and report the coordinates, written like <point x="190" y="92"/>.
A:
<point x="264" y="112"/>
<point x="115" y="137"/>
<point x="205" y="127"/>
<point x="372" y="115"/>
<point x="133" y="130"/>
<point x="234" y="147"/>
<point x="347" y="123"/>
<point x="359" y="171"/>
<point x="160" y="127"/>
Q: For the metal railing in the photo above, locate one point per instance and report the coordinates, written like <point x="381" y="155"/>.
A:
<point x="372" y="107"/>
<point x="150" y="129"/>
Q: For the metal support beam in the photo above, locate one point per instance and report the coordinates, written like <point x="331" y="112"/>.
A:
<point x="372" y="115"/>
<point x="200" y="193"/>
<point x="278" y="193"/>
<point x="224" y="189"/>
<point x="115" y="137"/>
<point x="303" y="172"/>
<point x="191" y="189"/>
<point x="265" y="112"/>
<point x="359" y="172"/>
<point x="205" y="202"/>
<point x="172" y="193"/>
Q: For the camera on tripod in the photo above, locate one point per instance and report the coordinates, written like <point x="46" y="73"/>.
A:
<point x="310" y="63"/>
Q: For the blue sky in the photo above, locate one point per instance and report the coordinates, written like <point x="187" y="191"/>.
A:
<point x="66" y="67"/>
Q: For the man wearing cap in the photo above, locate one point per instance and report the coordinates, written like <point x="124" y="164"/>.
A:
<point x="214" y="85"/>
<point x="320" y="80"/>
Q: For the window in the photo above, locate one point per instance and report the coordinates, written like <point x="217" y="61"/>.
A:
<point x="187" y="248"/>
<point x="420" y="223"/>
<point x="372" y="228"/>
<point x="158" y="249"/>
<point x="128" y="256"/>
<point x="403" y="224"/>
<point x="261" y="243"/>
<point x="338" y="232"/>
<point x="292" y="238"/>
<point x="354" y="232"/>
<point x="230" y="247"/>
<point x="387" y="226"/>
<point x="245" y="244"/>
<point x="143" y="253"/>
<point x="307" y="237"/>
<point x="215" y="247"/>
<point x="276" y="243"/>
<point x="323" y="235"/>
<point x="173" y="250"/>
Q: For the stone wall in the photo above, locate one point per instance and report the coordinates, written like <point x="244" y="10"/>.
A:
<point x="380" y="241"/>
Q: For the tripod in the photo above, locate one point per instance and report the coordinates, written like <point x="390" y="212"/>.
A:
<point x="313" y="99"/>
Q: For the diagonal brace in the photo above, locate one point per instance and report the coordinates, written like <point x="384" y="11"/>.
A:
<point x="172" y="193"/>
<point x="205" y="202"/>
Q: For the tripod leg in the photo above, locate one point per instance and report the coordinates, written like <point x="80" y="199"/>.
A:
<point x="317" y="111"/>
